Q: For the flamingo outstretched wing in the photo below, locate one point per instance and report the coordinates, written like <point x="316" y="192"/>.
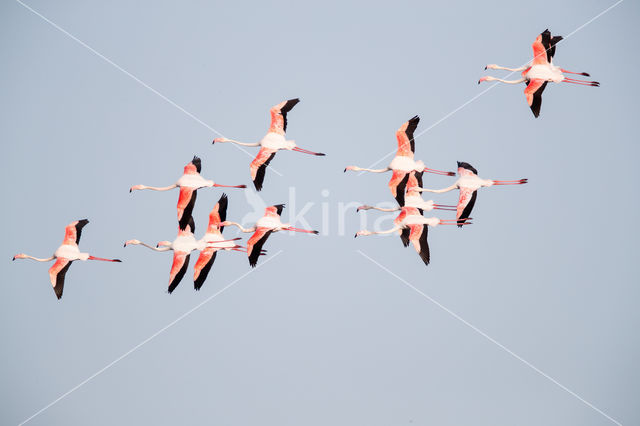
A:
<point x="533" y="93"/>
<point x="398" y="184"/>
<point x="203" y="266"/>
<point x="178" y="269"/>
<point x="73" y="232"/>
<point x="186" y="201"/>
<point x="418" y="238"/>
<point x="279" y="115"/>
<point x="549" y="43"/>
<point x="465" y="204"/>
<point x="218" y="214"/>
<point x="255" y="243"/>
<point x="259" y="165"/>
<point x="406" y="143"/>
<point x="57" y="273"/>
<point x="539" y="52"/>
<point x="404" y="236"/>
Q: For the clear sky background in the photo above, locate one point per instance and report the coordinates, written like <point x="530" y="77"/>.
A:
<point x="320" y="334"/>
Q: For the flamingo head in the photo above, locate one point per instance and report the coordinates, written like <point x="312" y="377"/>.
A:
<point x="164" y="244"/>
<point x="349" y="168"/>
<point x="491" y="67"/>
<point x="485" y="78"/>
<point x="20" y="256"/>
<point x="220" y="140"/>
<point x="136" y="187"/>
<point x="129" y="242"/>
<point x="364" y="208"/>
<point x="363" y="233"/>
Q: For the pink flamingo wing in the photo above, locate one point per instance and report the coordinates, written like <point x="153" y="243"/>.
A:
<point x="203" y="266"/>
<point x="259" y="165"/>
<point x="186" y="202"/>
<point x="533" y="93"/>
<point x="178" y="269"/>
<point x="539" y="52"/>
<point x="255" y="243"/>
<point x="57" y="273"/>
<point x="406" y="143"/>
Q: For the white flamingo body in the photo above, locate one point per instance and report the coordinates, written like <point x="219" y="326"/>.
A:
<point x="413" y="219"/>
<point x="194" y="181"/>
<point x="415" y="200"/>
<point x="472" y="182"/>
<point x="546" y="72"/>
<point x="218" y="239"/>
<point x="273" y="223"/>
<point x="406" y="164"/>
<point x="70" y="252"/>
<point x="276" y="142"/>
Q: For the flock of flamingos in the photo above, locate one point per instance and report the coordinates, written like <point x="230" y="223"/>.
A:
<point x="405" y="184"/>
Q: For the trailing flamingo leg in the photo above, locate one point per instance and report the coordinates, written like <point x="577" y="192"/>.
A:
<point x="511" y="180"/>
<point x="301" y="230"/>
<point x="306" y="151"/>
<point x="103" y="259"/>
<point x="582" y="81"/>
<point x="596" y="84"/>
<point x="435" y="171"/>
<point x="444" y="205"/>
<point x="229" y="186"/>
<point x="452" y="209"/>
<point x="578" y="73"/>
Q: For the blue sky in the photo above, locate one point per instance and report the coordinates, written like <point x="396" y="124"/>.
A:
<point x="329" y="330"/>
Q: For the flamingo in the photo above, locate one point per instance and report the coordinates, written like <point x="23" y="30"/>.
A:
<point x="468" y="183"/>
<point x="213" y="235"/>
<point x="413" y="228"/>
<point x="272" y="142"/>
<point x="403" y="163"/>
<point x="65" y="255"/>
<point x="267" y="224"/>
<point x="189" y="183"/>
<point x="182" y="247"/>
<point x="540" y="71"/>
<point x="412" y="198"/>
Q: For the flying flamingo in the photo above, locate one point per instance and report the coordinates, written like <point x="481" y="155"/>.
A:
<point x="412" y="198"/>
<point x="213" y="235"/>
<point x="65" y="255"/>
<point x="413" y="228"/>
<point x="468" y="183"/>
<point x="540" y="71"/>
<point x="272" y="142"/>
<point x="189" y="183"/>
<point x="267" y="224"/>
<point x="182" y="247"/>
<point x="403" y="163"/>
